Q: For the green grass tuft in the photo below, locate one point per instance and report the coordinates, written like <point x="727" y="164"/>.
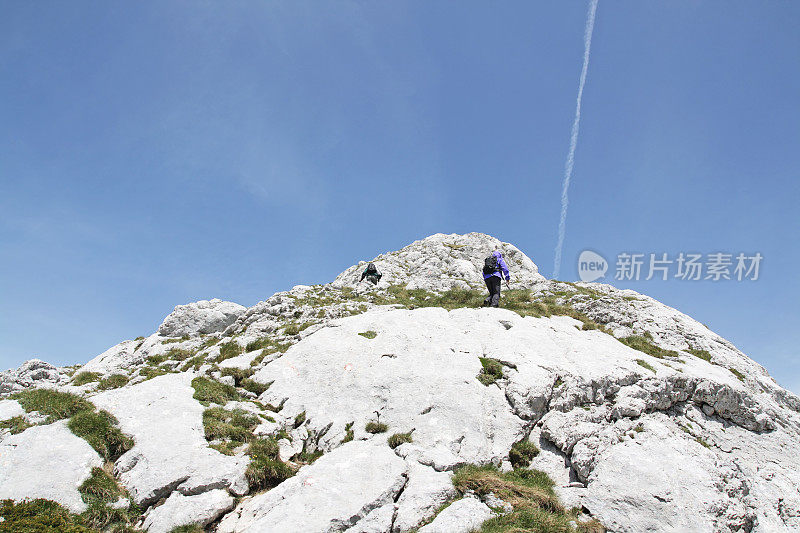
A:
<point x="39" y="516"/>
<point x="208" y="390"/>
<point x="254" y="386"/>
<point x="646" y="365"/>
<point x="235" y="426"/>
<point x="188" y="528"/>
<point x="82" y="378"/>
<point x="738" y="374"/>
<point x="266" y="470"/>
<point x="299" y="419"/>
<point x="349" y="434"/>
<point x="368" y="334"/>
<point x="376" y="427"/>
<point x="99" y="429"/>
<point x="492" y="370"/>
<point x="228" y="350"/>
<point x="114" y="381"/>
<point x="643" y="344"/>
<point x="295" y="328"/>
<point x="399" y="438"/>
<point x="53" y="404"/>
<point x="522" y="452"/>
<point x="16" y="424"/>
<point x="702" y="354"/>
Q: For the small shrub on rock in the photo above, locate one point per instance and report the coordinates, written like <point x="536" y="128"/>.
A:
<point x="376" y="427"/>
<point x="492" y="370"/>
<point x="235" y="426"/>
<point x="254" y="386"/>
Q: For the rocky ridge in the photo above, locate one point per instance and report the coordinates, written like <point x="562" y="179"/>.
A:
<point x="644" y="419"/>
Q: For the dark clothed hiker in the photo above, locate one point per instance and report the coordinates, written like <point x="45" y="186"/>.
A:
<point x="372" y="274"/>
<point x="494" y="270"/>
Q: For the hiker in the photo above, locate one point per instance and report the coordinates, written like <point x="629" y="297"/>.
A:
<point x="494" y="268"/>
<point x="372" y="274"/>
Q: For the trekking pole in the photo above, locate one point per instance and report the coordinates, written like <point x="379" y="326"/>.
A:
<point x="508" y="285"/>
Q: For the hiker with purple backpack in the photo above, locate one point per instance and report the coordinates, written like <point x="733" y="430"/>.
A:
<point x="494" y="269"/>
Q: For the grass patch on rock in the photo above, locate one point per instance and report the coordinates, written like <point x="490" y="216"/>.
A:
<point x="376" y="427"/>
<point x="368" y="334"/>
<point x="702" y="354"/>
<point x="492" y="370"/>
<point x="55" y="405"/>
<point x="266" y="470"/>
<point x="228" y="350"/>
<point x="738" y="374"/>
<point x="229" y="428"/>
<point x="522" y="452"/>
<point x="100" y="430"/>
<point x="645" y="364"/>
<point x="82" y="378"/>
<point x="208" y="390"/>
<point x="16" y="424"/>
<point x="399" y="438"/>
<point x="530" y="492"/>
<point x="643" y="344"/>
<point x="39" y="516"/>
<point x="114" y="381"/>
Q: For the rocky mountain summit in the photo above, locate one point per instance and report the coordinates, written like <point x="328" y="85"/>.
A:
<point x="406" y="407"/>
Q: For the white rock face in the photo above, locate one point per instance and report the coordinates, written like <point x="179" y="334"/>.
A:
<point x="181" y="510"/>
<point x="116" y="359"/>
<point x="462" y="516"/>
<point x="333" y="494"/>
<point x="10" y="409"/>
<point x="171" y="452"/>
<point x="441" y="262"/>
<point x="419" y="373"/>
<point x="205" y="316"/>
<point x="425" y="491"/>
<point x="46" y="462"/>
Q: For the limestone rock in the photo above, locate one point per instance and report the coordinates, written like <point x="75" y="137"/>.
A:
<point x="179" y="510"/>
<point x="170" y="452"/>
<point x="32" y="373"/>
<point x="10" y="409"/>
<point x="205" y="316"/>
<point x="441" y="262"/>
<point x="462" y="516"/>
<point x="333" y="494"/>
<point x="46" y="462"/>
<point x="425" y="491"/>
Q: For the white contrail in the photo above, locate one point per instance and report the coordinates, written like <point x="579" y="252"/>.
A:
<point x="573" y="142"/>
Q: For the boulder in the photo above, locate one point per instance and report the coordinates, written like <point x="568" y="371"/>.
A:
<point x="179" y="510"/>
<point x="32" y="373"/>
<point x="335" y="493"/>
<point x="462" y="516"/>
<point x="198" y="318"/>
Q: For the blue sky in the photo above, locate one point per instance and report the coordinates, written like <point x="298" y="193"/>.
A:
<point x="156" y="153"/>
